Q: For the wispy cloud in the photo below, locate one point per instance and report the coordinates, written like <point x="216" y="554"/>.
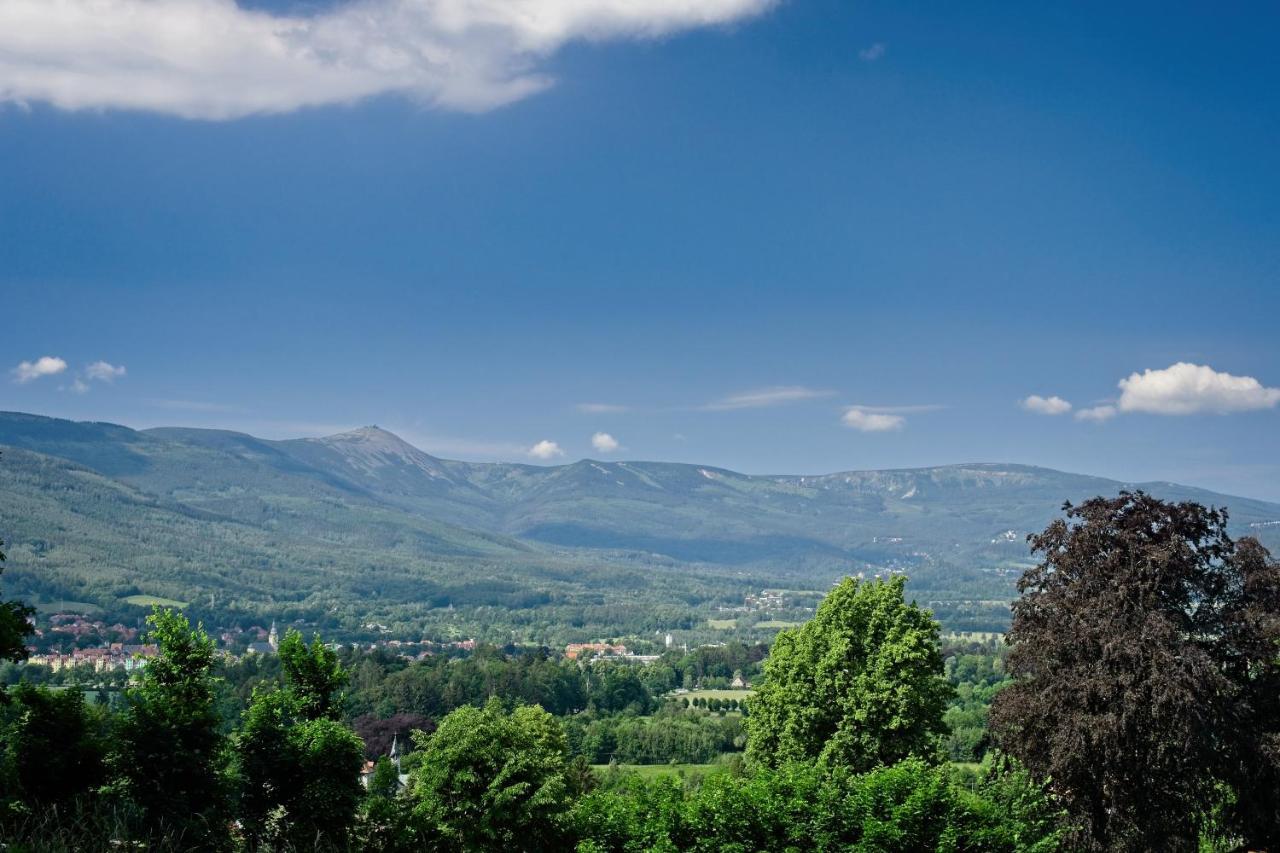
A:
<point x="1097" y="414"/>
<point x="872" y="52"/>
<point x="215" y="59"/>
<point x="104" y="372"/>
<point x="29" y="371"/>
<point x="604" y="443"/>
<point x="195" y="406"/>
<point x="467" y="448"/>
<point x="1045" y="405"/>
<point x="545" y="449"/>
<point x="601" y="408"/>
<point x="761" y="398"/>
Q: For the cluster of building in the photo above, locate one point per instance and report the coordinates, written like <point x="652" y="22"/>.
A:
<point x="112" y="656"/>
<point x="767" y="599"/>
<point x="78" y="626"/>
<point x="605" y="651"/>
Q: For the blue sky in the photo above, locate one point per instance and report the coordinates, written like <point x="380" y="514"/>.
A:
<point x="708" y="242"/>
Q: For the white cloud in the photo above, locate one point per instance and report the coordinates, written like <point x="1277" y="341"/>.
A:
<point x="104" y="372"/>
<point x="545" y="450"/>
<point x="601" y="408"/>
<point x="79" y="386"/>
<point x="604" y="443"/>
<point x="212" y="59"/>
<point x="1187" y="389"/>
<point x="1097" y="414"/>
<point x="48" y="365"/>
<point x="864" y="419"/>
<point x="1045" y="405"/>
<point x="764" y="397"/>
<point x="872" y="52"/>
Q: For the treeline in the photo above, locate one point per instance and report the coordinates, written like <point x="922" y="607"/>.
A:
<point x="670" y="736"/>
<point x="161" y="771"/>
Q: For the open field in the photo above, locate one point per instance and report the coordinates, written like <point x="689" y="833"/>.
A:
<point x="653" y="771"/>
<point x="722" y="624"/>
<point x="81" y="607"/>
<point x="153" y="601"/>
<point x="712" y="694"/>
<point x="777" y="623"/>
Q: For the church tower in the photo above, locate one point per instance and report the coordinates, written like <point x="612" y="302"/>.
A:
<point x="273" y="639"/>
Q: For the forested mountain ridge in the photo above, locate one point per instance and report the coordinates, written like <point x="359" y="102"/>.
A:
<point x="213" y="515"/>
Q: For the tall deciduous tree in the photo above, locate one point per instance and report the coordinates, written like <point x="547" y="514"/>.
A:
<point x="298" y="766"/>
<point x="858" y="686"/>
<point x="313" y="676"/>
<point x="169" y="754"/>
<point x="1144" y="652"/>
<point x="54" y="751"/>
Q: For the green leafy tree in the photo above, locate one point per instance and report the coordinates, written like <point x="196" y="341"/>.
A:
<point x="858" y="686"/>
<point x="54" y="747"/>
<point x="314" y="676"/>
<point x="298" y="767"/>
<point x="1146" y="678"/>
<point x="169" y="755"/>
<point x="385" y="781"/>
<point x="489" y="780"/>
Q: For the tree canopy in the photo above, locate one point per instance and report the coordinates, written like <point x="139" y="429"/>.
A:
<point x="858" y="686"/>
<point x="489" y="780"/>
<point x="1144" y="652"/>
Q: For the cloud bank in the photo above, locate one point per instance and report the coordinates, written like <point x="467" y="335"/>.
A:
<point x="211" y="59"/>
<point x="1189" y="389"/>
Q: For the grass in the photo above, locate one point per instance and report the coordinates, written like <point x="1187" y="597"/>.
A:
<point x="82" y="607"/>
<point x="722" y="624"/>
<point x="153" y="601"/>
<point x="654" y="771"/>
<point x="777" y="623"/>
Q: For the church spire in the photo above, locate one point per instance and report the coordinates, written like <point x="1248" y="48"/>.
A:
<point x="273" y="639"/>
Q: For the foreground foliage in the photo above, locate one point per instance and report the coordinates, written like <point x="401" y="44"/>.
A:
<point x="799" y="806"/>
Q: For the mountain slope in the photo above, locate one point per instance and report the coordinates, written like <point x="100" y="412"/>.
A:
<point x="215" y="513"/>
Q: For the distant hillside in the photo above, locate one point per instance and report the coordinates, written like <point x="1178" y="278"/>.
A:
<point x="243" y="523"/>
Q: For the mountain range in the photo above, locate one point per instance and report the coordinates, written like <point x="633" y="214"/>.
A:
<point x="93" y="510"/>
